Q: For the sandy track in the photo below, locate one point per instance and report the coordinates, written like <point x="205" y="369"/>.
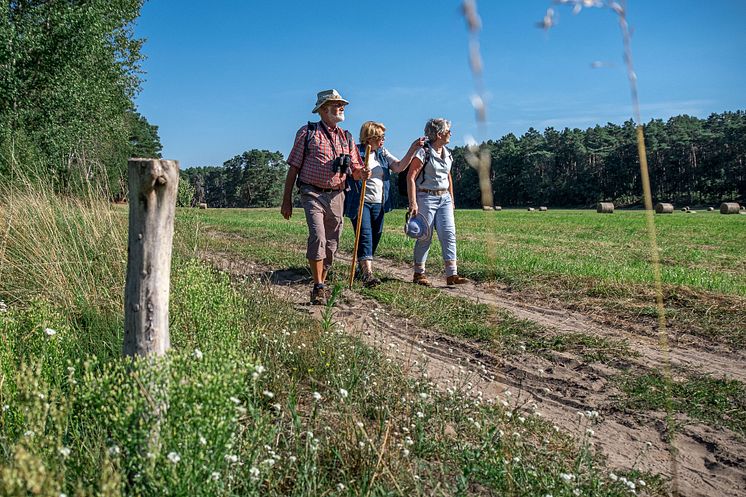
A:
<point x="709" y="462"/>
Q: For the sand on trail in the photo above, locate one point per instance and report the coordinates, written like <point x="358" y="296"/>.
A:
<point x="703" y="461"/>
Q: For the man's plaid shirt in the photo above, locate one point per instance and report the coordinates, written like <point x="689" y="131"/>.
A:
<point x="316" y="168"/>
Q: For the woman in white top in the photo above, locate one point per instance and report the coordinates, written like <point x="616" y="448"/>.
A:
<point x="430" y="192"/>
<point x="377" y="194"/>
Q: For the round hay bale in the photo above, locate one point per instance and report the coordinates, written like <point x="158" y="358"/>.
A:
<point x="605" y="208"/>
<point x="543" y="209"/>
<point x="729" y="208"/>
<point x="498" y="208"/>
<point x="202" y="205"/>
<point x="487" y="208"/>
<point x="663" y="208"/>
<point x="710" y="209"/>
<point x="685" y="209"/>
<point x="531" y="209"/>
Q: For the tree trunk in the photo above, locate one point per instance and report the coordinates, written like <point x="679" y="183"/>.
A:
<point x="152" y="192"/>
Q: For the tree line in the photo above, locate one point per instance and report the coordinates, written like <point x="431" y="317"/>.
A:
<point x="691" y="160"/>
<point x="69" y="71"/>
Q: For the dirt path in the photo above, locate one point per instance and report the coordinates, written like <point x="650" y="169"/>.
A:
<point x="709" y="462"/>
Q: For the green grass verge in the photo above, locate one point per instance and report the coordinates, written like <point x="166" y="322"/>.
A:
<point x="716" y="402"/>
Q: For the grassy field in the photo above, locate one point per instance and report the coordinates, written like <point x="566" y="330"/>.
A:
<point x="595" y="262"/>
<point x="260" y="399"/>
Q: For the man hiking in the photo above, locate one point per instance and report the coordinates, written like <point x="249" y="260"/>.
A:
<point x="322" y="156"/>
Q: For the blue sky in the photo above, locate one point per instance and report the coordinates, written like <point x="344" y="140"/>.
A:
<point x="227" y="76"/>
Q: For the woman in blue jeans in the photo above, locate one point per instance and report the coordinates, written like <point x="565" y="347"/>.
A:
<point x="430" y="192"/>
<point x="377" y="196"/>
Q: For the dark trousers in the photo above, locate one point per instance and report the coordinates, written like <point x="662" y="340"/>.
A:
<point x="371" y="229"/>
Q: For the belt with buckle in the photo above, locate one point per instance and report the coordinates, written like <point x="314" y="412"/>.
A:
<point x="319" y="189"/>
<point x="433" y="192"/>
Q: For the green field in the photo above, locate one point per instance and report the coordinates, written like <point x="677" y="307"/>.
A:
<point x="595" y="262"/>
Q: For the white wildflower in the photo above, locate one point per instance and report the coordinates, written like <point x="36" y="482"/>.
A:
<point x="268" y="462"/>
<point x="50" y="332"/>
<point x="568" y="477"/>
<point x="424" y="396"/>
<point x="64" y="451"/>
<point x="234" y="400"/>
<point x="268" y="394"/>
<point x="613" y="477"/>
<point x="590" y="432"/>
<point x="405" y="452"/>
<point x="341" y="487"/>
<point x="641" y="483"/>
<point x="114" y="450"/>
<point x="202" y="440"/>
<point x="215" y="476"/>
<point x="231" y="458"/>
<point x="5" y="407"/>
<point x="316" y="396"/>
<point x="174" y="457"/>
<point x="197" y="354"/>
<point x="343" y="393"/>
<point x="420" y="414"/>
<point x="254" y="473"/>
<point x="359" y="424"/>
<point x="576" y="491"/>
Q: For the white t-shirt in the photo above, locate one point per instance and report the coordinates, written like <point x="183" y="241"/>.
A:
<point x="374" y="184"/>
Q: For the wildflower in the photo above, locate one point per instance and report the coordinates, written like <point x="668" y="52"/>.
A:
<point x="215" y="476"/>
<point x="641" y="483"/>
<point x="62" y="494"/>
<point x="231" y="458"/>
<point x="50" y="332"/>
<point x="343" y="393"/>
<point x="197" y="354"/>
<point x="114" y="450"/>
<point x="590" y="432"/>
<point x="316" y="396"/>
<point x="568" y="477"/>
<point x="613" y="477"/>
<point x="5" y="407"/>
<point x="174" y="457"/>
<point x="359" y="424"/>
<point x="202" y="440"/>
<point x="28" y="434"/>
<point x="254" y="473"/>
<point x="341" y="487"/>
<point x="234" y="400"/>
<point x="405" y="452"/>
<point x="576" y="491"/>
<point x="64" y="451"/>
<point x="268" y="394"/>
<point x="3" y="307"/>
<point x="268" y="462"/>
<point x="423" y="396"/>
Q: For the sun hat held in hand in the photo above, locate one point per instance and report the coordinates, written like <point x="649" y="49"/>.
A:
<point x="417" y="227"/>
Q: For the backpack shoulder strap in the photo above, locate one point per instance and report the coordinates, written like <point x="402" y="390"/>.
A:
<point x="310" y="130"/>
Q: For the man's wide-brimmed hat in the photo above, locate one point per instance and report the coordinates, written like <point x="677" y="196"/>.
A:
<point x="325" y="96"/>
<point x="417" y="227"/>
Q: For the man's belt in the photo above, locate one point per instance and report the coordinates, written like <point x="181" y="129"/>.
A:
<point x="318" y="188"/>
<point x="433" y="192"/>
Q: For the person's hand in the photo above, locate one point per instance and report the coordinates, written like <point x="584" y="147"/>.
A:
<point x="413" y="209"/>
<point x="418" y="143"/>
<point x="287" y="208"/>
<point x="363" y="173"/>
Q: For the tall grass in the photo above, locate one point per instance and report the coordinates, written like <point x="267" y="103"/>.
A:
<point x="261" y="399"/>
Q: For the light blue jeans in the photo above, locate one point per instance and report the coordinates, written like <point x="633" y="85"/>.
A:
<point x="438" y="211"/>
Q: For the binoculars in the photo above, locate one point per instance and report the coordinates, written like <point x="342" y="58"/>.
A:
<point x="341" y="164"/>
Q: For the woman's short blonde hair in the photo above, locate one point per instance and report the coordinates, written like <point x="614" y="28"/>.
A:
<point x="371" y="129"/>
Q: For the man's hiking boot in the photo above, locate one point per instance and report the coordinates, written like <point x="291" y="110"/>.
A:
<point x="421" y="279"/>
<point x="369" y="281"/>
<point x="456" y="280"/>
<point x="319" y="295"/>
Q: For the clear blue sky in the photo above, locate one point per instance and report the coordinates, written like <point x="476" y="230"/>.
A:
<point x="227" y="76"/>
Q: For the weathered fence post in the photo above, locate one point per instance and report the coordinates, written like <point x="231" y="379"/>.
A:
<point x="152" y="193"/>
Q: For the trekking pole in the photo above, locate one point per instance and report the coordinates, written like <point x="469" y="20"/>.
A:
<point x="359" y="220"/>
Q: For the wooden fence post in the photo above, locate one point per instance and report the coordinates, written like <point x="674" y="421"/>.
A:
<point x="152" y="194"/>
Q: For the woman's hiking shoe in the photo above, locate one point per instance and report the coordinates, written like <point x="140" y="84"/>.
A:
<point x="319" y="294"/>
<point x="421" y="279"/>
<point x="456" y="280"/>
<point x="369" y="281"/>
